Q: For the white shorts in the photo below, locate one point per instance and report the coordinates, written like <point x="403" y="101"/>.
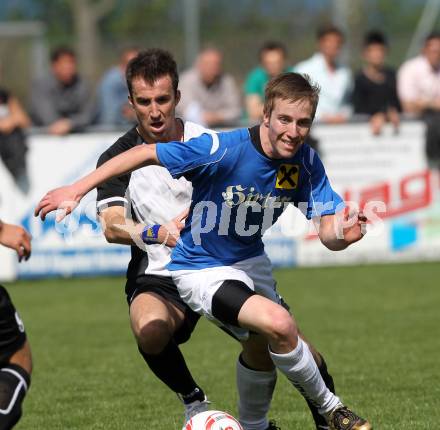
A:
<point x="197" y="287"/>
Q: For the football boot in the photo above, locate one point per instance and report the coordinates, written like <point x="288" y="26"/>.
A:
<point x="194" y="408"/>
<point x="342" y="418"/>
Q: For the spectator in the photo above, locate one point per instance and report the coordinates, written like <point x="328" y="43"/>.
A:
<point x="13" y="148"/>
<point x="334" y="78"/>
<point x="273" y="58"/>
<point x="418" y="84"/>
<point x="208" y="95"/>
<point x="375" y="92"/>
<point x="62" y="101"/>
<point x="113" y="106"/>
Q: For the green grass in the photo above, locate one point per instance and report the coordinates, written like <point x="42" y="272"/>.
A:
<point x="377" y="326"/>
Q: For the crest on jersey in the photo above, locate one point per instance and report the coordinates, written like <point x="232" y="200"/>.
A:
<point x="287" y="176"/>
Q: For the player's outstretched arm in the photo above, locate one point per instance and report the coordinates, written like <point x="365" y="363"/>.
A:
<point x="68" y="197"/>
<point x="340" y="230"/>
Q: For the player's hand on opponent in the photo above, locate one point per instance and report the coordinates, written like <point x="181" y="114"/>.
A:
<point x="169" y="233"/>
<point x="16" y="238"/>
<point x="354" y="226"/>
<point x="65" y="199"/>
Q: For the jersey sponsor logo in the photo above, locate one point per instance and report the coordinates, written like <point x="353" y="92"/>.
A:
<point x="287" y="176"/>
<point x="235" y="195"/>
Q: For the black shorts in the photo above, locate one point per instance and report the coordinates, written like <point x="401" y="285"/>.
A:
<point x="12" y="334"/>
<point x="164" y="287"/>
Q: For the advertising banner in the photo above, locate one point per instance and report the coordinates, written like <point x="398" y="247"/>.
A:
<point x="76" y="246"/>
<point x="387" y="172"/>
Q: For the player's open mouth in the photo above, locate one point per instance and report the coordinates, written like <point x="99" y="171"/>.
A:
<point x="157" y="126"/>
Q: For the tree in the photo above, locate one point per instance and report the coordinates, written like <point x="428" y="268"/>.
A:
<point x="87" y="14"/>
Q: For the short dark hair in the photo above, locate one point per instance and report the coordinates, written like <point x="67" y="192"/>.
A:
<point x="375" y="37"/>
<point x="272" y="45"/>
<point x="151" y="65"/>
<point x="61" y="51"/>
<point x="431" y="36"/>
<point x="324" y="30"/>
<point x="291" y="86"/>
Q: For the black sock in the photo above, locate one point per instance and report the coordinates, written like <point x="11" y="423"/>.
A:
<point x="14" y="383"/>
<point x="317" y="417"/>
<point x="170" y="367"/>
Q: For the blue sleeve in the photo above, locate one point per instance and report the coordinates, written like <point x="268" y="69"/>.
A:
<point x="186" y="158"/>
<point x="318" y="197"/>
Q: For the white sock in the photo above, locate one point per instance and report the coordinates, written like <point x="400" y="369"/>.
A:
<point x="255" y="389"/>
<point x="301" y="370"/>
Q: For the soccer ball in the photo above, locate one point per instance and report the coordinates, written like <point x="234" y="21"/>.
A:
<point x="213" y="420"/>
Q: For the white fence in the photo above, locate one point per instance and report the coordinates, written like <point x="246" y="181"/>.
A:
<point x="390" y="168"/>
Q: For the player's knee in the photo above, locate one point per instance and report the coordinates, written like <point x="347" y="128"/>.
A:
<point x="282" y="327"/>
<point x="14" y="383"/>
<point x="153" y="336"/>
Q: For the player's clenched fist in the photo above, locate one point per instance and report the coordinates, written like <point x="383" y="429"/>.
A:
<point x="355" y="226"/>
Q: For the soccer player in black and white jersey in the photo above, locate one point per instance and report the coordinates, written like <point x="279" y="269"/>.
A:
<point x="149" y="204"/>
<point x="15" y="352"/>
<point x="132" y="206"/>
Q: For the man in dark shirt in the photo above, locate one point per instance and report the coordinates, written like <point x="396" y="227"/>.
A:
<point x="62" y="100"/>
<point x="375" y="92"/>
<point x="13" y="147"/>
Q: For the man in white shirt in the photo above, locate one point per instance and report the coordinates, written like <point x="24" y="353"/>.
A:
<point x="418" y="85"/>
<point x="334" y="78"/>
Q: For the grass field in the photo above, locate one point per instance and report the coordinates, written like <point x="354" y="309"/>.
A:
<point x="377" y="326"/>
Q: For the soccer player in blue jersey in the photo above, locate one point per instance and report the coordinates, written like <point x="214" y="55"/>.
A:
<point x="242" y="181"/>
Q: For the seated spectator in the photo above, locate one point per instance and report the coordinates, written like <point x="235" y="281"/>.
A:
<point x="418" y="85"/>
<point x="113" y="106"/>
<point x="62" y="101"/>
<point x="334" y="78"/>
<point x="208" y="95"/>
<point x="13" y="148"/>
<point x="375" y="91"/>
<point x="273" y="58"/>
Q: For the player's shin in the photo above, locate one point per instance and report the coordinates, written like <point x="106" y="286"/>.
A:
<point x="255" y="390"/>
<point x="320" y="421"/>
<point x="301" y="370"/>
<point x="170" y="367"/>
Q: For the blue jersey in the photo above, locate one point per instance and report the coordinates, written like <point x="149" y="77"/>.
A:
<point x="238" y="193"/>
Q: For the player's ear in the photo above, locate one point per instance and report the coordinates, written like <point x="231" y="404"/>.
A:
<point x="266" y="119"/>
<point x="178" y="95"/>
<point x="130" y="101"/>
